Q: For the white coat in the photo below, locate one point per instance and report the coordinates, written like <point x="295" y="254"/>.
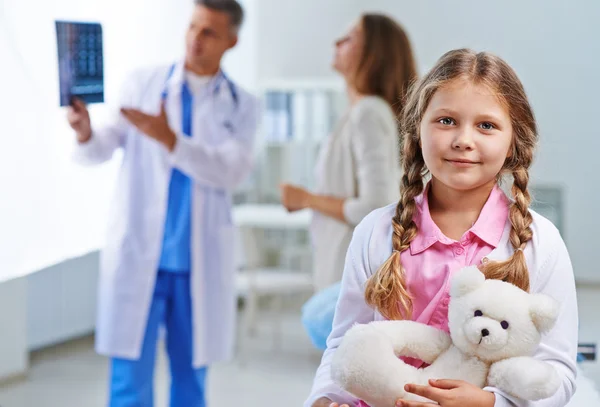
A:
<point x="217" y="156"/>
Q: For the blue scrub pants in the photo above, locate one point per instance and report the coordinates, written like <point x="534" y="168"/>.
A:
<point x="131" y="383"/>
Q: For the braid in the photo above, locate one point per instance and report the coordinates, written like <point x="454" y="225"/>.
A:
<point x="514" y="270"/>
<point x="387" y="286"/>
<point x="520" y="217"/>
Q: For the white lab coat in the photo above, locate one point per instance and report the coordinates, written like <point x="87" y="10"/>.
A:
<point x="216" y="157"/>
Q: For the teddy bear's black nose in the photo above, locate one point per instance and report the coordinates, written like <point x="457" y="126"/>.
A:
<point x="485" y="332"/>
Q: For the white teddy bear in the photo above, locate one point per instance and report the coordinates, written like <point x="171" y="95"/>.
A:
<point x="494" y="328"/>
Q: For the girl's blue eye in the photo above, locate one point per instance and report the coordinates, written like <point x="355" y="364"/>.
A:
<point x="446" y="121"/>
<point x="487" y="126"/>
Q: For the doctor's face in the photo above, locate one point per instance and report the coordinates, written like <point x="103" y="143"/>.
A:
<point x="209" y="35"/>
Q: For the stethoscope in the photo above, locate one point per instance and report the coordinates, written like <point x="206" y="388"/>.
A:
<point x="218" y="81"/>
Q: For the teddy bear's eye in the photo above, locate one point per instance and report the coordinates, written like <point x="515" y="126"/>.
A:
<point x="504" y="324"/>
<point x="478" y="313"/>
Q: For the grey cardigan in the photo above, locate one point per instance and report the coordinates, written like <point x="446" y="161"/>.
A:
<point x="359" y="162"/>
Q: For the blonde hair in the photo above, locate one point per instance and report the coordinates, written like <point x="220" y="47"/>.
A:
<point x="386" y="290"/>
<point x="387" y="65"/>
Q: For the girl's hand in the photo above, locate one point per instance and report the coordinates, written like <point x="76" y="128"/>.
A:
<point x="325" y="402"/>
<point x="449" y="393"/>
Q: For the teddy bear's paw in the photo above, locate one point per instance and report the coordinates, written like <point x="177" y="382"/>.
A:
<point x="525" y="378"/>
<point x="540" y="386"/>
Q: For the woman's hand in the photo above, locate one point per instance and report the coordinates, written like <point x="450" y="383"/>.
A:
<point x="449" y="393"/>
<point x="294" y="198"/>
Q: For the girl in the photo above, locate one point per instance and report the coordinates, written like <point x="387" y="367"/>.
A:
<point x="466" y="124"/>
<point x="358" y="168"/>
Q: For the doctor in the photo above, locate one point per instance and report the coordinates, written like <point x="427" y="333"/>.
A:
<point x="186" y="132"/>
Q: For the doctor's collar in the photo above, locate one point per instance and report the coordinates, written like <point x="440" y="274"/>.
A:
<point x="219" y="82"/>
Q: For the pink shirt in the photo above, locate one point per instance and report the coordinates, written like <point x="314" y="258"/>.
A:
<point x="433" y="258"/>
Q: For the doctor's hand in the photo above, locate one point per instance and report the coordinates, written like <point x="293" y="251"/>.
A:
<point x="294" y="198"/>
<point x="79" y="120"/>
<point x="156" y="127"/>
<point x="449" y="393"/>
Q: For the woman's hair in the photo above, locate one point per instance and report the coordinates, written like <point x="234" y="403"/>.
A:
<point x="387" y="66"/>
<point x="386" y="289"/>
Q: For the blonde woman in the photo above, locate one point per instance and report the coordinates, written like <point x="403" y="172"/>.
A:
<point x="358" y="168"/>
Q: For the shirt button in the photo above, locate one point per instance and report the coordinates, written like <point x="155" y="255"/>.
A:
<point x="459" y="250"/>
<point x="446" y="301"/>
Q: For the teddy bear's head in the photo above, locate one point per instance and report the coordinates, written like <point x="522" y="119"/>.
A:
<point x="495" y="320"/>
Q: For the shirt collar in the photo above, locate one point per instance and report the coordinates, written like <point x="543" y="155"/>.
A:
<point x="178" y="78"/>
<point x="488" y="227"/>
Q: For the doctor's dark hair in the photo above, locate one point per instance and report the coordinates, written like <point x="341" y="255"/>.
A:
<point x="387" y="65"/>
<point x="230" y="7"/>
<point x="386" y="290"/>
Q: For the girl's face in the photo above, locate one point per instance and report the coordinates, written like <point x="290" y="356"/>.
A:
<point x="348" y="51"/>
<point x="466" y="135"/>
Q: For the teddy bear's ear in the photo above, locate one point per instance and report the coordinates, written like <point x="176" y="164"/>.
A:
<point x="544" y="311"/>
<point x="466" y="280"/>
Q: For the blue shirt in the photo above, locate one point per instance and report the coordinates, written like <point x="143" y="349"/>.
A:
<point x="176" y="248"/>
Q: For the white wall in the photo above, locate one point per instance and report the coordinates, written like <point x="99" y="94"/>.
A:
<point x="44" y="308"/>
<point x="240" y="63"/>
<point x="295" y="38"/>
<point x="553" y="46"/>
<point x="14" y="358"/>
<point x="61" y="301"/>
